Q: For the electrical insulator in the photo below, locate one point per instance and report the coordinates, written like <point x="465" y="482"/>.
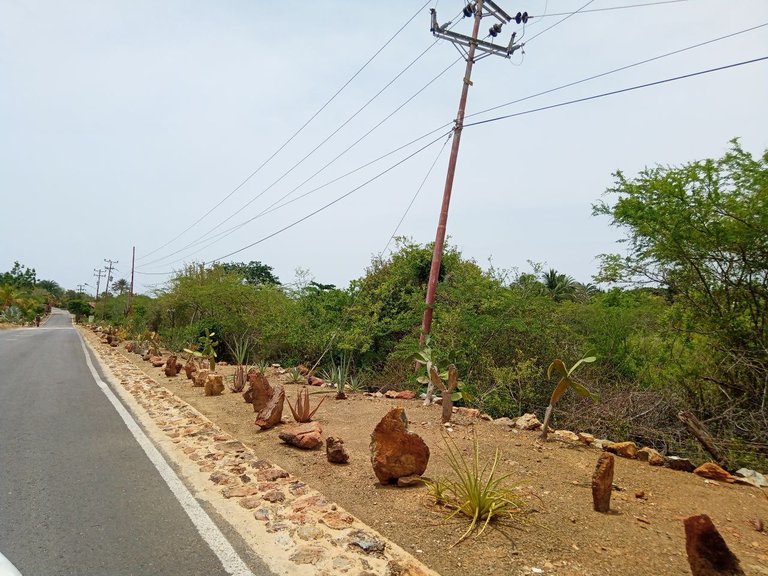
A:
<point x="469" y="9"/>
<point x="521" y="17"/>
<point x="495" y="30"/>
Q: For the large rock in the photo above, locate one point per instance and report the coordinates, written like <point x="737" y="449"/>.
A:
<point x="214" y="385"/>
<point x="396" y="452"/>
<point x="653" y="457"/>
<point x="200" y="377"/>
<point x="745" y="475"/>
<point x="315" y="381"/>
<point x="602" y="483"/>
<point x="708" y="554"/>
<point x="272" y="405"/>
<point x="190" y="368"/>
<point x="305" y="436"/>
<point x="712" y="471"/>
<point x="623" y="449"/>
<point x="528" y="422"/>
<point x="504" y="421"/>
<point x="566" y="435"/>
<point x="681" y="464"/>
<point x="172" y="367"/>
<point x="335" y="451"/>
<point x="259" y="390"/>
<point x="156" y="361"/>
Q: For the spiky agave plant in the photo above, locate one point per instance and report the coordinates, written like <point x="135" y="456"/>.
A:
<point x="566" y="381"/>
<point x="479" y="493"/>
<point x="302" y="412"/>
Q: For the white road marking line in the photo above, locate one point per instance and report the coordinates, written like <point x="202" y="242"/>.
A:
<point x="208" y="530"/>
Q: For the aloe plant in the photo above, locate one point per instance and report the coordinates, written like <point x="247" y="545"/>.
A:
<point x="566" y="381"/>
<point x="302" y="411"/>
<point x="338" y="375"/>
<point x="239" y="347"/>
<point x="295" y="376"/>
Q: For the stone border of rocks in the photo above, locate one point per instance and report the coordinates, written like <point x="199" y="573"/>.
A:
<point x="273" y="511"/>
<point x="629" y="450"/>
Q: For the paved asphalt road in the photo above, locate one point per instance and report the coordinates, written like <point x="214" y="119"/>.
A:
<point x="78" y="495"/>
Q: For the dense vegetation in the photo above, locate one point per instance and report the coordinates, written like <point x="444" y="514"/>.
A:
<point x="23" y="296"/>
<point x="681" y="324"/>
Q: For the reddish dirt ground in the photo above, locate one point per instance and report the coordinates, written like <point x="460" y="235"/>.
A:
<point x="558" y="534"/>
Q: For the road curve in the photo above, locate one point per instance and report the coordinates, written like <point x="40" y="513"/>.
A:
<point x="78" y="495"/>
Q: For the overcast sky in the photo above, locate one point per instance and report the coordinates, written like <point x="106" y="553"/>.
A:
<point x="123" y="123"/>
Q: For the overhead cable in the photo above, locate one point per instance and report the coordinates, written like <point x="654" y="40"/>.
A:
<point x="620" y="91"/>
<point x="296" y="133"/>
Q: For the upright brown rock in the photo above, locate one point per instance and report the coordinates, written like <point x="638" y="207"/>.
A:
<point x="259" y="390"/>
<point x="190" y="368"/>
<point x="396" y="452"/>
<point x="335" y="451"/>
<point x="271" y="400"/>
<point x="708" y="554"/>
<point x="200" y="377"/>
<point x="171" y="367"/>
<point x="602" y="483"/>
<point x="214" y="385"/>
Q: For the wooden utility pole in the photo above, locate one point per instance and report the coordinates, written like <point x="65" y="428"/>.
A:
<point x="97" y="273"/>
<point x="468" y="46"/>
<point x="110" y="269"/>
<point x="128" y="309"/>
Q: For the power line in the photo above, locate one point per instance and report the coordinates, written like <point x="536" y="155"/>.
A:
<point x="290" y="139"/>
<point x="325" y="185"/>
<point x="551" y="90"/>
<point x="329" y="204"/>
<point x="620" y="91"/>
<point x="620" y="69"/>
<point x="303" y="159"/>
<point x="609" y="8"/>
<point x="276" y="204"/>
<point x="507" y="116"/>
<point x="558" y="22"/>
<point x="416" y="195"/>
<point x="321" y="209"/>
<point x="646" y="85"/>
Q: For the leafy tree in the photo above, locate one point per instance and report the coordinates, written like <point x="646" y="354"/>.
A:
<point x="79" y="308"/>
<point x="700" y="231"/>
<point x="19" y="276"/>
<point x="254" y="273"/>
<point x="559" y="286"/>
<point x="120" y="286"/>
<point x="52" y="288"/>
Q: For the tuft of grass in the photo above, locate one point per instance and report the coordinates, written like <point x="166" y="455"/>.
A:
<point x="476" y="492"/>
<point x="294" y="376"/>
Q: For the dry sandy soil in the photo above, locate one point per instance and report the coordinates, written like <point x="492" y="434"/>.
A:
<point x="560" y="534"/>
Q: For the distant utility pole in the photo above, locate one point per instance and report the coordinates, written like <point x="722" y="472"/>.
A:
<point x="468" y="46"/>
<point x="80" y="289"/>
<point x="128" y="309"/>
<point x="110" y="269"/>
<point x="97" y="273"/>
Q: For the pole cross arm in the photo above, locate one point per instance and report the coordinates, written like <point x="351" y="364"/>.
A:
<point x="482" y="45"/>
<point x="467" y="41"/>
